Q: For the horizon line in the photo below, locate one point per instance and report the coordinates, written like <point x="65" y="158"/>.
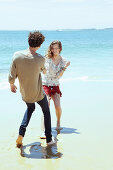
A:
<point x="57" y="29"/>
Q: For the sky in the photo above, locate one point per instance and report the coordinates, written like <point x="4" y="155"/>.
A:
<point x="55" y="14"/>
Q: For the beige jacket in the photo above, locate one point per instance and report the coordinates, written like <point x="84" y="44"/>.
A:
<point x="27" y="68"/>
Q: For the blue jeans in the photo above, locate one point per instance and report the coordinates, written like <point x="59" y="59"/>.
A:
<point x="47" y="118"/>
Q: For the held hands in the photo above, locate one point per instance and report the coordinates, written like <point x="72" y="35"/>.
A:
<point x="44" y="71"/>
<point x="13" y="88"/>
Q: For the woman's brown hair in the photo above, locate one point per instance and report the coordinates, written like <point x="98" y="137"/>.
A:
<point x="49" y="53"/>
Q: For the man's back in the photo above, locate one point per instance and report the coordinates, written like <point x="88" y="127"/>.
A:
<point x="27" y="68"/>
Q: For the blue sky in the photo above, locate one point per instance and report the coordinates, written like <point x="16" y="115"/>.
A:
<point x="55" y="14"/>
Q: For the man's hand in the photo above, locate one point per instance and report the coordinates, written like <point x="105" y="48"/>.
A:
<point x="13" y="88"/>
<point x="44" y="71"/>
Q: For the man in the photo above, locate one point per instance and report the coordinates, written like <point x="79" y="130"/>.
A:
<point x="27" y="66"/>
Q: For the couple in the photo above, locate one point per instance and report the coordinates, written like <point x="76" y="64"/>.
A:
<point x="27" y="65"/>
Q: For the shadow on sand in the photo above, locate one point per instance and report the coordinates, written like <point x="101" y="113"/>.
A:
<point x="64" y="130"/>
<point x="36" y="151"/>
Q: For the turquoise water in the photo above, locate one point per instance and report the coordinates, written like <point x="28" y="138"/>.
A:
<point x="90" y="52"/>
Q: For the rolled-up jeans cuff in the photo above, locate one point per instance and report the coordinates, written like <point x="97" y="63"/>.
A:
<point x="48" y="139"/>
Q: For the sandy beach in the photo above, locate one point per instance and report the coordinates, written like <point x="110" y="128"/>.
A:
<point x="84" y="143"/>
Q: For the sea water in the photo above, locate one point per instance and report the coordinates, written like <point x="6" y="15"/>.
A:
<point x="90" y="52"/>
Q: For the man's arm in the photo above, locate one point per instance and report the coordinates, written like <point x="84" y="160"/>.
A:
<point x="12" y="77"/>
<point x="43" y="69"/>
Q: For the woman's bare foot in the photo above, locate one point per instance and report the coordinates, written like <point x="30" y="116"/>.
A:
<point x="58" y="126"/>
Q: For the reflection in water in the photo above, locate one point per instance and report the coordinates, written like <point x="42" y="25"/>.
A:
<point x="36" y="151"/>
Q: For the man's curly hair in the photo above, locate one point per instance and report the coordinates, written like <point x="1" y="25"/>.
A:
<point x="35" y="39"/>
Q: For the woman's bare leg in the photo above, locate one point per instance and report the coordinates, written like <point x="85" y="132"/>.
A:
<point x="56" y="100"/>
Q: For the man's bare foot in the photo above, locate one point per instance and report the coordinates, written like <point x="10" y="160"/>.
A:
<point x="19" y="141"/>
<point x="51" y="142"/>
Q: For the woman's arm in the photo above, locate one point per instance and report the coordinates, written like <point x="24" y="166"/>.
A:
<point x="60" y="74"/>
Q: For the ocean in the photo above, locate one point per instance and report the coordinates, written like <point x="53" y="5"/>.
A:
<point x="90" y="52"/>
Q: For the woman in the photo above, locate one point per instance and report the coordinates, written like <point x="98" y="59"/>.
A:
<point x="55" y="67"/>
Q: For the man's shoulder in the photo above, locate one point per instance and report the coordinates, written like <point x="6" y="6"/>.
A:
<point x="19" y="54"/>
<point x="40" y="56"/>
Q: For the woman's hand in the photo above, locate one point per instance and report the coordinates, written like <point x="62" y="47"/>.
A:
<point x="67" y="64"/>
<point x="63" y="69"/>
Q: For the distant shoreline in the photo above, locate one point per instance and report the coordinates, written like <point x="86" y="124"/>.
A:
<point x="81" y="29"/>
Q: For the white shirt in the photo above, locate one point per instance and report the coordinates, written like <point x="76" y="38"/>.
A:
<point x="51" y="76"/>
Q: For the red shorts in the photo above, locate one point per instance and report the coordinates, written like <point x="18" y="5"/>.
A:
<point x="51" y="90"/>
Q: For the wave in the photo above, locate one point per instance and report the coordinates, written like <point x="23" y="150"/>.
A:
<point x="5" y="85"/>
<point x="85" y="78"/>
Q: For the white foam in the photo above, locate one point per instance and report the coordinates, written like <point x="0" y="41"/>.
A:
<point x="84" y="78"/>
<point x="5" y="85"/>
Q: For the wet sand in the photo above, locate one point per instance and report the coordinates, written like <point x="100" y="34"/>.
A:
<point x="84" y="143"/>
